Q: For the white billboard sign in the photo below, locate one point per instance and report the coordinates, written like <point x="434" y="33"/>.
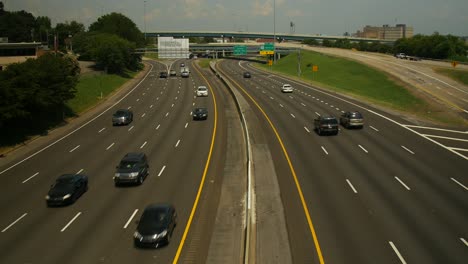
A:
<point x="171" y="48"/>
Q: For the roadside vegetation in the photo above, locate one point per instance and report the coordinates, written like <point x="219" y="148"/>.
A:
<point x="460" y="76"/>
<point x="40" y="94"/>
<point x="357" y="80"/>
<point x="204" y="63"/>
<point x="434" y="46"/>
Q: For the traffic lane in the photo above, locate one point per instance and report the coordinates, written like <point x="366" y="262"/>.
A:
<point x="109" y="184"/>
<point x="291" y="129"/>
<point x="69" y="153"/>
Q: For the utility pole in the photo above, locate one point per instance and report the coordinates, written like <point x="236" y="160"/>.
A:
<point x="274" y="31"/>
<point x="144" y="16"/>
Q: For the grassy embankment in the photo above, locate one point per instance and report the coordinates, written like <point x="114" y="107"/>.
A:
<point x="204" y="63"/>
<point x="359" y="81"/>
<point x="91" y="89"/>
<point x="460" y="76"/>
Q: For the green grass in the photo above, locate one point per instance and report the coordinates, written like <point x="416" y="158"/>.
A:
<point x="91" y="89"/>
<point x="460" y="76"/>
<point x="153" y="55"/>
<point x="204" y="63"/>
<point x="350" y="77"/>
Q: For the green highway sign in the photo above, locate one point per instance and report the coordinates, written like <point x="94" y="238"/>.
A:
<point x="240" y="50"/>
<point x="269" y="46"/>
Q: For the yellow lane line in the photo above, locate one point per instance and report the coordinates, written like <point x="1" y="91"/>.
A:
<point x="207" y="165"/>
<point x="285" y="152"/>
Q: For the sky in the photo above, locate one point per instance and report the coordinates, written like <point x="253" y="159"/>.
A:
<point x="326" y="17"/>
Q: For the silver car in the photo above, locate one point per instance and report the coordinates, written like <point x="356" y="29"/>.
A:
<point x="352" y="119"/>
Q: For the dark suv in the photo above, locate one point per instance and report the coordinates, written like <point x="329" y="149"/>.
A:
<point x="122" y="117"/>
<point x="133" y="168"/>
<point x="163" y="74"/>
<point x="247" y="75"/>
<point x="326" y="124"/>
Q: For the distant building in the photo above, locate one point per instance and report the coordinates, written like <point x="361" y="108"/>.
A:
<point x="18" y="52"/>
<point x="386" y="32"/>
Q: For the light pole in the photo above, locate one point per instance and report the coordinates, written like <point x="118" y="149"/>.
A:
<point x="274" y="31"/>
<point x="144" y="16"/>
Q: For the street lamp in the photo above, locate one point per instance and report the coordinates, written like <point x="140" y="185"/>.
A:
<point x="144" y="16"/>
<point x="274" y="31"/>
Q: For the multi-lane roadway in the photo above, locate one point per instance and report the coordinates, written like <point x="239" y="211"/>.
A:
<point x="392" y="192"/>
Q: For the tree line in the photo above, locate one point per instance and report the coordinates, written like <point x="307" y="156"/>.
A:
<point x="434" y="46"/>
<point x="34" y="94"/>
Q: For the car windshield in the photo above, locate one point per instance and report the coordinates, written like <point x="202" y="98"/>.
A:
<point x="128" y="164"/>
<point x="330" y="121"/>
<point x="199" y="110"/>
<point x="153" y="219"/>
<point x="201" y="88"/>
<point x="287" y="86"/>
<point x="355" y="115"/>
<point x="120" y="113"/>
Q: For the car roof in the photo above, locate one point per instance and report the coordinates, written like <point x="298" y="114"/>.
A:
<point x="134" y="156"/>
<point x="159" y="207"/>
<point x="69" y="177"/>
<point x="327" y="117"/>
<point x="200" y="108"/>
<point x="286" y="84"/>
<point x="201" y="87"/>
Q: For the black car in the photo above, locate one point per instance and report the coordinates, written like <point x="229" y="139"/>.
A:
<point x="200" y="113"/>
<point x="352" y="119"/>
<point x="67" y="189"/>
<point x="247" y="75"/>
<point x="326" y="124"/>
<point x="122" y="117"/>
<point x="133" y="168"/>
<point x="156" y="226"/>
<point x="163" y="74"/>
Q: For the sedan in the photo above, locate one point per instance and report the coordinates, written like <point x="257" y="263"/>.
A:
<point x="163" y="74"/>
<point x="156" y="226"/>
<point x="67" y="189"/>
<point x="202" y="91"/>
<point x="247" y="75"/>
<point x="172" y="73"/>
<point x="122" y="117"/>
<point x="287" y="88"/>
<point x="200" y="113"/>
<point x="352" y="119"/>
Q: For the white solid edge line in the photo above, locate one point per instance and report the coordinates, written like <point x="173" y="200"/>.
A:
<point x="402" y="183"/>
<point x="75" y="148"/>
<point x="130" y="219"/>
<point x="380" y="115"/>
<point x="459" y="183"/>
<point x="71" y="221"/>
<point x="448" y="138"/>
<point x="458" y="149"/>
<point x="464" y="241"/>
<point x="351" y="185"/>
<point x="365" y="150"/>
<point x="438" y="129"/>
<point x="80" y="127"/>
<point x="80" y="171"/>
<point x="161" y="171"/>
<point x="407" y="149"/>
<point x="16" y="221"/>
<point x="110" y="146"/>
<point x="397" y="252"/>
<point x="324" y="150"/>
<point x="34" y="175"/>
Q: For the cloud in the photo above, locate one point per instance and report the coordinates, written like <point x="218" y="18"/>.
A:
<point x="295" y="13"/>
<point x="153" y="14"/>
<point x="264" y="8"/>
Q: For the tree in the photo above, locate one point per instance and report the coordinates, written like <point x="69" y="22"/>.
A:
<point x="67" y="29"/>
<point x="43" y="27"/>
<point x="119" y="25"/>
<point x="2" y="10"/>
<point x="17" y="26"/>
<point x="37" y="88"/>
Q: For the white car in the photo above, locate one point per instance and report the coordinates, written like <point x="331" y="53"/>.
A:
<point x="287" y="88"/>
<point x="202" y="91"/>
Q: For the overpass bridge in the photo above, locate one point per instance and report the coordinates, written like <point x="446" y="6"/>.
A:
<point x="255" y="35"/>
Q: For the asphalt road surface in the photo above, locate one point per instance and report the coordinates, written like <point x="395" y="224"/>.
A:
<point x="388" y="193"/>
<point x="99" y="227"/>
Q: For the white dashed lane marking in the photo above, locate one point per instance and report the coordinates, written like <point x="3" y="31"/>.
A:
<point x="144" y="144"/>
<point x="351" y="185"/>
<point x="71" y="221"/>
<point x="397" y="252"/>
<point x="161" y="171"/>
<point x="75" y="148"/>
<point x="102" y="129"/>
<point x="374" y="128"/>
<point x="14" y="222"/>
<point x="306" y="129"/>
<point x="131" y="128"/>
<point x="365" y="150"/>
<point x="405" y="148"/>
<point x="402" y="183"/>
<point x="324" y="150"/>
<point x="110" y="146"/>
<point x="459" y="183"/>
<point x="34" y="175"/>
<point x="130" y="219"/>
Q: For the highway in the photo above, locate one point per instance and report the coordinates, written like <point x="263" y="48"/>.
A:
<point x="393" y="192"/>
<point x="99" y="227"/>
